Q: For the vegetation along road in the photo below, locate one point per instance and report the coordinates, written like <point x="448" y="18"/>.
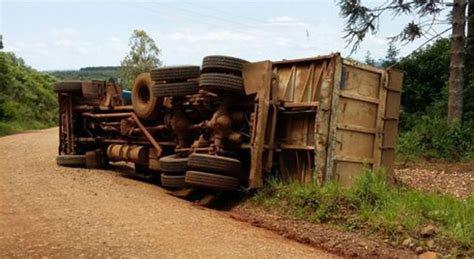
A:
<point x="46" y="210"/>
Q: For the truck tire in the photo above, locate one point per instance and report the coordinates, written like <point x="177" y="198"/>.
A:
<point x="215" y="82"/>
<point x="212" y="181"/>
<point x="173" y="164"/>
<point x="222" y="64"/>
<point x="141" y="169"/>
<point x="172" y="181"/>
<point x="145" y="104"/>
<point x="177" y="73"/>
<point x="176" y="89"/>
<point x="72" y="86"/>
<point x="71" y="160"/>
<point x="214" y="164"/>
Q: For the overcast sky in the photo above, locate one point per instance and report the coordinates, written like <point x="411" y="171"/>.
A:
<point x="57" y="35"/>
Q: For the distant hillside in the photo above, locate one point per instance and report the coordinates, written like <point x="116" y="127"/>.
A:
<point x="87" y="73"/>
<point x="27" y="100"/>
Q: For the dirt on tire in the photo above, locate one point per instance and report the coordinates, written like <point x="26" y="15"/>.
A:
<point x="214" y="164"/>
<point x="173" y="164"/>
<point x="176" y="89"/>
<point x="210" y="180"/>
<point x="222" y="64"/>
<point x="172" y="181"/>
<point x="215" y="82"/>
<point x="176" y="73"/>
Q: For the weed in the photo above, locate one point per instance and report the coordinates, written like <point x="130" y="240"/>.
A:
<point x="374" y="205"/>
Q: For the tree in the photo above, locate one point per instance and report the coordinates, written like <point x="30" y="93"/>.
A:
<point x="142" y="57"/>
<point x="392" y="55"/>
<point x="362" y="20"/>
<point x="1" y="41"/>
<point x="369" y="60"/>
<point x="456" y="75"/>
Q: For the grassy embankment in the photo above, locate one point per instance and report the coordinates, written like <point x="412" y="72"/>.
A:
<point x="372" y="205"/>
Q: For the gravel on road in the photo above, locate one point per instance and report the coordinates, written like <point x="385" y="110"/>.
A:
<point x="52" y="211"/>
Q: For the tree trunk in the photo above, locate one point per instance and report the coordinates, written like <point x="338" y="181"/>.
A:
<point x="456" y="76"/>
<point x="470" y="42"/>
<point x="470" y="21"/>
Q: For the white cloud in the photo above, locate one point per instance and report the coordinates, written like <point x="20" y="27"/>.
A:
<point x="284" y="21"/>
<point x="280" y="19"/>
<point x="220" y="35"/>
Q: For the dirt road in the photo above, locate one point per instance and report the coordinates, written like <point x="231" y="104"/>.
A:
<point x="46" y="210"/>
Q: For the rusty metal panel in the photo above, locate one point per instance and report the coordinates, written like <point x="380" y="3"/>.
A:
<point x="358" y="106"/>
<point x="300" y="89"/>
<point x="391" y="116"/>
<point x="255" y="76"/>
<point x="258" y="79"/>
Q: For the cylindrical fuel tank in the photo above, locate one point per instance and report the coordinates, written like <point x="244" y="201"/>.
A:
<point x="128" y="153"/>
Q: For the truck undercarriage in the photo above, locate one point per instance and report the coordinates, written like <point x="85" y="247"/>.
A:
<point x="230" y="123"/>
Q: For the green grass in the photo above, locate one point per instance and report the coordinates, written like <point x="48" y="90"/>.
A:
<point x="373" y="205"/>
<point x="12" y="127"/>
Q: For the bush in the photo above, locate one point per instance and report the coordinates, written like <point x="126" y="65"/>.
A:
<point x="27" y="100"/>
<point x="432" y="138"/>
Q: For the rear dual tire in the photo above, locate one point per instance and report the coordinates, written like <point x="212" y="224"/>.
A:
<point x="211" y="181"/>
<point x="176" y="89"/>
<point x="222" y="64"/>
<point x="172" y="181"/>
<point x="176" y="73"/>
<point x="214" y="164"/>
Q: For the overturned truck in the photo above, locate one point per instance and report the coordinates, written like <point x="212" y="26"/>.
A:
<point x="230" y="123"/>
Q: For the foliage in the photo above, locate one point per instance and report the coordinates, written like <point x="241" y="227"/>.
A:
<point x="1" y="41"/>
<point x="426" y="79"/>
<point x="364" y="19"/>
<point x="374" y="205"/>
<point x="27" y="100"/>
<point x="88" y="73"/>
<point x="432" y="138"/>
<point x="424" y="133"/>
<point x="143" y="57"/>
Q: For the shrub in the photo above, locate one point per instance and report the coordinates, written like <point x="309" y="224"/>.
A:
<point x="432" y="138"/>
<point x="27" y="100"/>
<point x="374" y="205"/>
